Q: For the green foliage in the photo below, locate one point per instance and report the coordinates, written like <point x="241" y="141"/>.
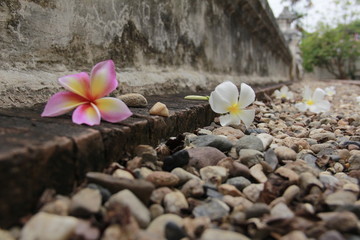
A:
<point x="335" y="49"/>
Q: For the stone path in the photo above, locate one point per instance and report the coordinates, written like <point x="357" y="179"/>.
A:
<point x="291" y="175"/>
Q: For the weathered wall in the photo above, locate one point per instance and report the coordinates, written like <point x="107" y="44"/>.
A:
<point x="157" y="45"/>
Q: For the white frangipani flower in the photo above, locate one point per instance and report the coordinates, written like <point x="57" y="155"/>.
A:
<point x="225" y="99"/>
<point x="330" y="91"/>
<point x="314" y="102"/>
<point x="284" y="93"/>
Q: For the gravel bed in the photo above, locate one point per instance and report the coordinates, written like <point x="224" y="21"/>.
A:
<point x="291" y="175"/>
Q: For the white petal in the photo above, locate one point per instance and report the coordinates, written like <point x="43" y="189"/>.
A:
<point x="318" y="95"/>
<point x="301" y="106"/>
<point x="217" y="103"/>
<point x="247" y="95"/>
<point x="247" y="116"/>
<point x="307" y="93"/>
<point x="228" y="91"/>
<point x="323" y="106"/>
<point x="284" y="89"/>
<point x="228" y="119"/>
<point x="277" y="94"/>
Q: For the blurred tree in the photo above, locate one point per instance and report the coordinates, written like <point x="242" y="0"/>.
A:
<point x="336" y="49"/>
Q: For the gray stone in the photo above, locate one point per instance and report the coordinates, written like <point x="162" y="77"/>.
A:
<point x="47" y="226"/>
<point x="183" y="175"/>
<point x="257" y="210"/>
<point x="216" y="234"/>
<point x="342" y="221"/>
<point x="85" y="202"/>
<point x="249" y="142"/>
<point x="174" y="202"/>
<point x="239" y="182"/>
<point x="250" y="157"/>
<point x="271" y="158"/>
<point x="282" y="211"/>
<point x="215" y="209"/>
<point x="204" y="156"/>
<point x="137" y="208"/>
<point x="331" y="235"/>
<point x="218" y="142"/>
<point x="329" y="181"/>
<point x="294" y="235"/>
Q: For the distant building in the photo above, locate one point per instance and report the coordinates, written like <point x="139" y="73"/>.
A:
<point x="292" y="37"/>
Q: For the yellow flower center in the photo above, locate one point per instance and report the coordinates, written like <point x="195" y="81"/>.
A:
<point x="234" y="109"/>
<point x="310" y="102"/>
<point x="283" y="95"/>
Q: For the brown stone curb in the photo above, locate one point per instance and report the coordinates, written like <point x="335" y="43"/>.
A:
<point x="38" y="153"/>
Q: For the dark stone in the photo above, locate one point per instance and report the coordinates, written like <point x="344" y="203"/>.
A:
<point x="218" y="142"/>
<point x="271" y="158"/>
<point x="249" y="142"/>
<point x="173" y="231"/>
<point x="178" y="159"/>
<point x="239" y="182"/>
<point x="257" y="210"/>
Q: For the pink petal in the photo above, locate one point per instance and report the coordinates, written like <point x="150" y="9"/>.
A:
<point x="113" y="109"/>
<point x="103" y="79"/>
<point x="61" y="103"/>
<point x="77" y="83"/>
<point x="87" y="113"/>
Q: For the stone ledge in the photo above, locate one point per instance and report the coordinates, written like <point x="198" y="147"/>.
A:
<point x="38" y="153"/>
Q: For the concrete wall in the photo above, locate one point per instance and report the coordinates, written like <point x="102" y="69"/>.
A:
<point x="159" y="46"/>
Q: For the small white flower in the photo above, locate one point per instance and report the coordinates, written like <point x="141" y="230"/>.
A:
<point x="358" y="99"/>
<point x="330" y="91"/>
<point x="314" y="102"/>
<point x="225" y="99"/>
<point x="284" y="93"/>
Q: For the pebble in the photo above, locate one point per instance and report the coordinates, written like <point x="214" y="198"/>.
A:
<point x="219" y="142"/>
<point x="238" y="203"/>
<point x="194" y="227"/>
<point x="216" y="234"/>
<point x="239" y="182"/>
<point x="235" y="168"/>
<point x="295" y="235"/>
<point x="354" y="162"/>
<point x="183" y="175"/>
<point x="214" y="174"/>
<point x="127" y="199"/>
<point x="86" y="202"/>
<point x="252" y="192"/>
<point x="178" y="159"/>
<point x="342" y="222"/>
<point x="158" y="194"/>
<point x="291" y="193"/>
<point x="133" y="100"/>
<point x="174" y="202"/>
<point x="204" y="156"/>
<point x="285" y="153"/>
<point x="215" y="209"/>
<point x="6" y="235"/>
<point x="193" y="188"/>
<point x="60" y="206"/>
<point x="257" y="173"/>
<point x="163" y="179"/>
<point x="331" y="235"/>
<point x="257" y="210"/>
<point x="250" y="157"/>
<point x="307" y="180"/>
<point x="230" y="132"/>
<point x="46" y="226"/>
<point x="266" y="139"/>
<point x="281" y="211"/>
<point x="157" y="226"/>
<point x="156" y="210"/>
<point x="271" y="159"/>
<point x="228" y="189"/>
<point x="288" y="173"/>
<point x="340" y="198"/>
<point x="249" y="142"/>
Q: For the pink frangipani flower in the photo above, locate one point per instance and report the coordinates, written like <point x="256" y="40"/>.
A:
<point x="87" y="96"/>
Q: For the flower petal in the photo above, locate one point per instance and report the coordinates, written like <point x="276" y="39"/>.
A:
<point x="218" y="103"/>
<point x="318" y="95"/>
<point x="321" y="106"/>
<point x="77" y="83"/>
<point x="277" y="93"/>
<point x="87" y="113"/>
<point x="61" y="103"/>
<point x="112" y="109"/>
<point x="290" y="95"/>
<point x="301" y="106"/>
<point x="103" y="79"/>
<point x="229" y="119"/>
<point x="247" y="95"/>
<point x="247" y="116"/>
